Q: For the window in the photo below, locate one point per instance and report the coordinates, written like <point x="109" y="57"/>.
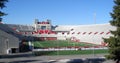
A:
<point x="43" y="27"/>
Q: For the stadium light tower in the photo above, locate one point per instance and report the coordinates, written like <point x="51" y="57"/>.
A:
<point x="93" y="35"/>
<point x="95" y="18"/>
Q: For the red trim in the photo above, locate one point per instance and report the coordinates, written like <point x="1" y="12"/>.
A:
<point x="63" y="33"/>
<point x="73" y="33"/>
<point x="90" y="33"/>
<point x="95" y="32"/>
<point x="101" y="32"/>
<point x="84" y="33"/>
<point x="107" y="33"/>
<point x="78" y="33"/>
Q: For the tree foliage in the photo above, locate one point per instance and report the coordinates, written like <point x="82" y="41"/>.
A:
<point x="2" y="5"/>
<point x="114" y="41"/>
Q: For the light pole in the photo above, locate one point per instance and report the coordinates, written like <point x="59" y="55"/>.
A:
<point x="93" y="35"/>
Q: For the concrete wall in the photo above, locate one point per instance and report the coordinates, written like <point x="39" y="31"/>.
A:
<point x="7" y="41"/>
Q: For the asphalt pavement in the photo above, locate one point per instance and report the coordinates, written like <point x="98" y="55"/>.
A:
<point x="30" y="58"/>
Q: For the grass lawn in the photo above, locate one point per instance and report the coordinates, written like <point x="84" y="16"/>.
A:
<point x="59" y="43"/>
<point x="70" y="52"/>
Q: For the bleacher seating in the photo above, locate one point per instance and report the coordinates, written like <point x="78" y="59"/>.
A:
<point x="21" y="27"/>
<point x="65" y="27"/>
<point x="7" y="29"/>
<point x="44" y="32"/>
<point x="86" y="33"/>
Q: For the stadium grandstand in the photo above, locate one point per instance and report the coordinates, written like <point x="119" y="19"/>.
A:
<point x="86" y="33"/>
<point x="44" y="30"/>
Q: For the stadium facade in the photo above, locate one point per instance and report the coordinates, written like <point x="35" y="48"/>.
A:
<point x="45" y="31"/>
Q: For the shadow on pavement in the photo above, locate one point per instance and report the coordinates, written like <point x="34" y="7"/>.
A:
<point x="21" y="61"/>
<point x="17" y="55"/>
<point x="86" y="60"/>
<point x="76" y="61"/>
<point x="89" y="60"/>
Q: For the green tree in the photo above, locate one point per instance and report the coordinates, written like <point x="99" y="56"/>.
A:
<point x="114" y="41"/>
<point x="2" y="5"/>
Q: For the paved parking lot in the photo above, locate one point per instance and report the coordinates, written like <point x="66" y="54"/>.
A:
<point x="29" y="58"/>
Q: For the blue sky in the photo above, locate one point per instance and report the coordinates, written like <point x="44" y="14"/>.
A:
<point x="60" y="12"/>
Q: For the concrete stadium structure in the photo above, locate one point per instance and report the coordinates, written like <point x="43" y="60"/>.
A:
<point x="44" y="30"/>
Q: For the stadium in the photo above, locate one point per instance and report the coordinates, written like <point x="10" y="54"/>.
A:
<point x="13" y="35"/>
